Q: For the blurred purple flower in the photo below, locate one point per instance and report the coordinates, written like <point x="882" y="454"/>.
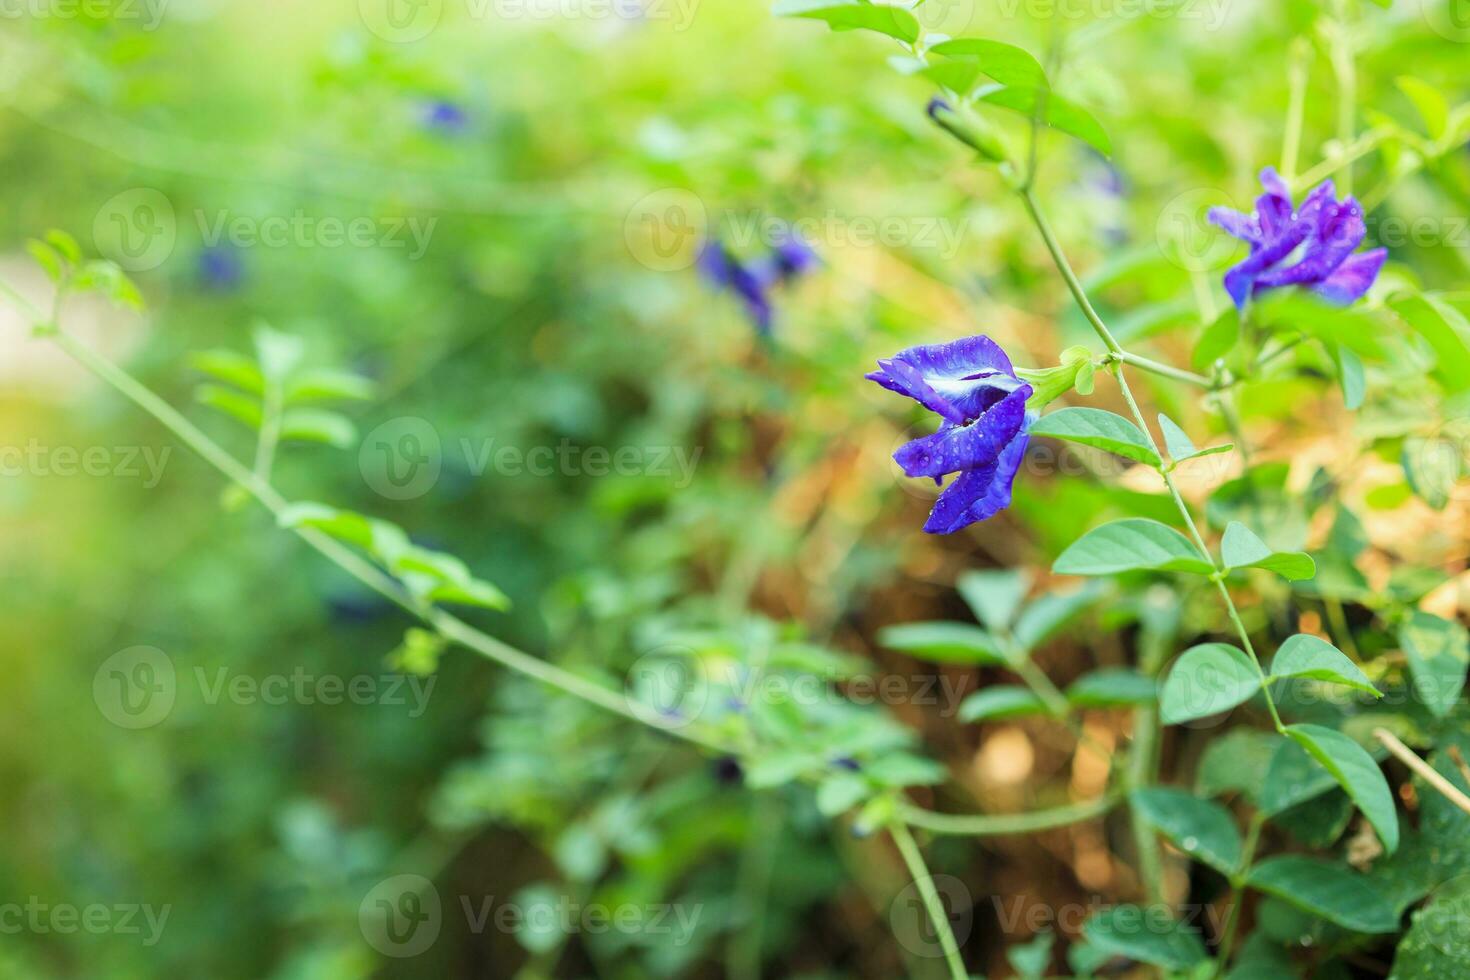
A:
<point x="1309" y="246"/>
<point x="445" y="117"/>
<point x="220" y="268"/>
<point x="971" y="385"/>
<point x="789" y="258"/>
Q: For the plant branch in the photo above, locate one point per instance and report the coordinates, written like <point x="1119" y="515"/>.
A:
<point x="933" y="905"/>
<point x="449" y="626"/>
<point x="999" y="824"/>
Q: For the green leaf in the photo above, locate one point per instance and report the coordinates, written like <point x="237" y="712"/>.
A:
<point x="231" y="367"/>
<point x="344" y="525"/>
<point x="1058" y="112"/>
<point x="994" y="596"/>
<point x="1048" y="613"/>
<point x="1292" y="777"/>
<point x="1200" y="828"/>
<point x="1435" y="947"/>
<point x="840" y="792"/>
<point x="1181" y="447"/>
<point x="850" y="15"/>
<point x="1005" y="63"/>
<point x="1206" y="680"/>
<point x="65" y="244"/>
<point x="328" y="384"/>
<point x="1327" y="890"/>
<point x="1113" y="687"/>
<point x="1030" y="960"/>
<point x="1240" y="548"/>
<point x="781" y="767"/>
<point x="1217" y="340"/>
<point x="231" y="402"/>
<point x="1003" y="701"/>
<point x="1099" y="429"/>
<point x="47" y="257"/>
<point x="900" y="769"/>
<point x="957" y="76"/>
<point x="433" y="576"/>
<point x="278" y="353"/>
<point x="1438" y="652"/>
<point x="1432" y="467"/>
<point x="1446" y="331"/>
<point x="1433" y="108"/>
<point x="315" y="425"/>
<point x="1147" y="934"/>
<point x="108" y="278"/>
<point x="1304" y="655"/>
<point x="1237" y="761"/>
<point x="942" y="642"/>
<point x="1356" y="772"/>
<point x="1350" y="377"/>
<point x="1132" y="544"/>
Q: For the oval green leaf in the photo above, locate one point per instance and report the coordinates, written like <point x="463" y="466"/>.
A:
<point x="1206" y="680"/>
<point x="1132" y="544"/>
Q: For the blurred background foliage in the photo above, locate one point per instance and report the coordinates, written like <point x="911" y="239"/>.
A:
<point x="541" y="312"/>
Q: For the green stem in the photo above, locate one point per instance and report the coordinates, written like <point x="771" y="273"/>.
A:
<point x="1188" y="517"/>
<point x="995" y="825"/>
<point x="753" y="881"/>
<point x="1065" y="268"/>
<point x="1056" y="702"/>
<point x="1142" y="769"/>
<point x="1296" y="75"/>
<point x="447" y="625"/>
<point x="1237" y="893"/>
<point x="933" y="905"/>
<point x="1345" y="72"/>
<point x="1165" y="370"/>
<point x="1360" y="147"/>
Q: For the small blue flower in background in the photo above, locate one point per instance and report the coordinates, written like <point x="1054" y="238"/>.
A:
<point x="1309" y="246"/>
<point x="789" y="258"/>
<point x="445" y="117"/>
<point x="971" y="385"/>
<point x="220" y="268"/>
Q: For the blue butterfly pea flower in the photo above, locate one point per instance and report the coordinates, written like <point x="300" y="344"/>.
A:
<point x="789" y="258"/>
<point x="1309" y="246"/>
<point x="971" y="385"/>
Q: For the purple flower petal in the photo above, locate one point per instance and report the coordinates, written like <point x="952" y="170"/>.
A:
<point x="1352" y="278"/>
<point x="1307" y="246"/>
<point x="906" y="379"/>
<point x="978" y="494"/>
<point x="1242" y="226"/>
<point x="1240" y="281"/>
<point x="966" y="447"/>
<point x="959" y="359"/>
